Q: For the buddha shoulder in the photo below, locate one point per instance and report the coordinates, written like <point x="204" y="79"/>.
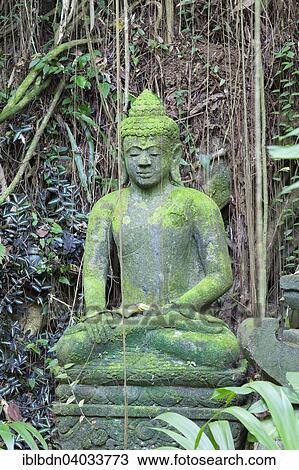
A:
<point x="192" y="198"/>
<point x="106" y="205"/>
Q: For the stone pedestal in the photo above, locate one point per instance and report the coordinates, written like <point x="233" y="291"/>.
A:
<point x="156" y="384"/>
<point x="90" y="406"/>
<point x="99" y="423"/>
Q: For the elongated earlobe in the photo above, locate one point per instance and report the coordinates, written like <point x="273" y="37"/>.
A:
<point x="175" y="175"/>
<point x="124" y="177"/>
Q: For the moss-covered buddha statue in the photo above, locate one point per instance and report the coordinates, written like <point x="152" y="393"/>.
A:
<point x="174" y="264"/>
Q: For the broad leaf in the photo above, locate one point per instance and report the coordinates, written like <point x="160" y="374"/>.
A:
<point x="2" y="252"/>
<point x="21" y="429"/>
<point x="284" y="152"/>
<point x="290" y="188"/>
<point x="7" y="436"/>
<point x="293" y="133"/>
<point x="258" y="407"/>
<point x="230" y="392"/>
<point x="184" y="425"/>
<point x="222" y="434"/>
<point x="253" y="425"/>
<point x="282" y="412"/>
<point x="37" y="435"/>
<point x="188" y="429"/>
<point x="187" y="444"/>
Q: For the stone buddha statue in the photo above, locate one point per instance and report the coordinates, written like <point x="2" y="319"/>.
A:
<point x="174" y="262"/>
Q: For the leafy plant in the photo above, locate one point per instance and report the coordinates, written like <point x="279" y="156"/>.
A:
<point x="279" y="430"/>
<point x="190" y="436"/>
<point x="12" y="430"/>
<point x="288" y="195"/>
<point x="285" y="79"/>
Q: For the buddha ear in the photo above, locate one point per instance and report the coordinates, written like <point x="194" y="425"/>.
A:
<point x="175" y="175"/>
<point x="124" y="177"/>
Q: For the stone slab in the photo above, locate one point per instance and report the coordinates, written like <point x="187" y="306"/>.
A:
<point x="102" y="426"/>
<point x="262" y="346"/>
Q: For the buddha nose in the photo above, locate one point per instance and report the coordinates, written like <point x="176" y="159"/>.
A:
<point x="144" y="160"/>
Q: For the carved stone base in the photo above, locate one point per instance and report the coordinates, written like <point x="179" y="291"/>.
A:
<point x="99" y="423"/>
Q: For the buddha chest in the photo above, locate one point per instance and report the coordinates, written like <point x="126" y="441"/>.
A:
<point x="160" y="257"/>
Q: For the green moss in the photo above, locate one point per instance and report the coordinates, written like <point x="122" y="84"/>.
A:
<point x="200" y="348"/>
<point x="130" y="288"/>
<point x="119" y="215"/>
<point x="218" y="188"/>
<point x="147" y="117"/>
<point x="97" y="251"/>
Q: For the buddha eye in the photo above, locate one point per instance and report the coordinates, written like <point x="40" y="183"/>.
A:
<point x="154" y="154"/>
<point x="134" y="155"/>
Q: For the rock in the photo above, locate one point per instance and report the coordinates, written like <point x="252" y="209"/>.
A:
<point x="262" y="346"/>
<point x="290" y="286"/>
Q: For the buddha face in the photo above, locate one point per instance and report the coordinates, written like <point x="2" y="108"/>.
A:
<point x="148" y="160"/>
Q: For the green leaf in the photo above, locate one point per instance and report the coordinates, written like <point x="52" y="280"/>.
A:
<point x="293" y="133"/>
<point x="281" y="411"/>
<point x="34" y="62"/>
<point x="258" y="407"/>
<point x="56" y="228"/>
<point x="253" y="425"/>
<point x="61" y="376"/>
<point x="81" y="81"/>
<point x="7" y="436"/>
<point x="88" y="120"/>
<point x="187" y="444"/>
<point x="230" y="392"/>
<point x="37" y="435"/>
<point x="284" y="152"/>
<point x="22" y="430"/>
<point x="69" y="365"/>
<point x="285" y="169"/>
<point x="290" y="188"/>
<point x="70" y="399"/>
<point x="189" y="429"/>
<point x="222" y="434"/>
<point x="105" y="88"/>
<point x="52" y="363"/>
<point x="2" y="252"/>
<point x="31" y="383"/>
<point x="181" y="424"/>
<point x="64" y="280"/>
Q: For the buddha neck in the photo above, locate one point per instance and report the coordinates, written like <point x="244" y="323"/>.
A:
<point x="146" y="194"/>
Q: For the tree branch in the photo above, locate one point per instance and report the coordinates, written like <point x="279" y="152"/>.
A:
<point x="33" y="145"/>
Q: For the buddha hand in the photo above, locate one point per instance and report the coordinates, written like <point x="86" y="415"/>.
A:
<point x="102" y="328"/>
<point x="186" y="310"/>
<point x="94" y="315"/>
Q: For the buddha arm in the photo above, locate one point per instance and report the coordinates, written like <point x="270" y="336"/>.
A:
<point x="211" y="240"/>
<point x="96" y="256"/>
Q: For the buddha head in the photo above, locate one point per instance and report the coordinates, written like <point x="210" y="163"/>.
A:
<point x="151" y="144"/>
